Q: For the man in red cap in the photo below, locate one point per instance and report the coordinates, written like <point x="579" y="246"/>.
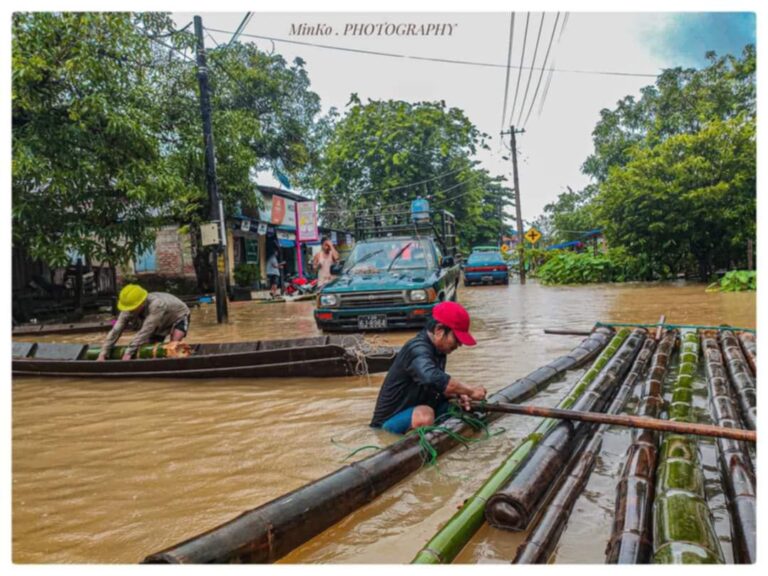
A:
<point x="417" y="388"/>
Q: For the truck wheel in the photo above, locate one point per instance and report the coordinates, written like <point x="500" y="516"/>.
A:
<point x="506" y="281"/>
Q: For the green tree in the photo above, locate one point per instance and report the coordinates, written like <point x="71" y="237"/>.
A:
<point x="263" y="116"/>
<point x="571" y="215"/>
<point x="674" y="172"/>
<point x="691" y="199"/>
<point x="107" y="137"/>
<point x="88" y="172"/>
<point x="375" y="153"/>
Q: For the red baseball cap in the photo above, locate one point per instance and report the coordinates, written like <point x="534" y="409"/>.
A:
<point x="456" y="317"/>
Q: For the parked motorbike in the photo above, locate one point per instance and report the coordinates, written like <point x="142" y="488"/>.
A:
<point x="298" y="286"/>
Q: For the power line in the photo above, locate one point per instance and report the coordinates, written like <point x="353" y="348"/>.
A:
<point x="171" y="48"/>
<point x="240" y="28"/>
<point x="520" y="68"/>
<point x="426" y="59"/>
<point x="546" y="91"/>
<point x="509" y="63"/>
<point x="530" y="74"/>
<point x="432" y="194"/>
<point x="546" y="56"/>
<point x="412" y="184"/>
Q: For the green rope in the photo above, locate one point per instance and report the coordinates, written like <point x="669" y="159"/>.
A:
<point x="353" y="451"/>
<point x="690" y="326"/>
<point x="428" y="453"/>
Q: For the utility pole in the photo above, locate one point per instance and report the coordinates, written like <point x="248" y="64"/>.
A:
<point x="518" y="214"/>
<point x="216" y="212"/>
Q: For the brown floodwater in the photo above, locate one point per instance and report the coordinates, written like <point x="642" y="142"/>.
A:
<point x="111" y="471"/>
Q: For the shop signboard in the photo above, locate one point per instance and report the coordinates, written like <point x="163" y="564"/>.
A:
<point x="278" y="210"/>
<point x="306" y="217"/>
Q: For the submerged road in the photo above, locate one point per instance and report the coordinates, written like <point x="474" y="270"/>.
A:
<point x="112" y="471"/>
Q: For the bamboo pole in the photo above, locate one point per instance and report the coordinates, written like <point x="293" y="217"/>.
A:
<point x="741" y="378"/>
<point x="566" y="332"/>
<point x="445" y="545"/>
<point x="630" y="541"/>
<point x="550" y="525"/>
<point x="272" y="530"/>
<point x="513" y="505"/>
<point x="624" y="420"/>
<point x="158" y="350"/>
<point x="735" y="465"/>
<point x="748" y="343"/>
<point x="683" y="530"/>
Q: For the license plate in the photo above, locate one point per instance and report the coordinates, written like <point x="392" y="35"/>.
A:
<point x="487" y="278"/>
<point x="372" y="321"/>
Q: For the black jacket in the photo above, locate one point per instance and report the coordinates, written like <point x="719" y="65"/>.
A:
<point x="417" y="377"/>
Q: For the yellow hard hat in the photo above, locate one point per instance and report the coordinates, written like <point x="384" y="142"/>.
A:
<point x="131" y="297"/>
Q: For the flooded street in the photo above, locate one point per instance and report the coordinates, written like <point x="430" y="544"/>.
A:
<point x="113" y="470"/>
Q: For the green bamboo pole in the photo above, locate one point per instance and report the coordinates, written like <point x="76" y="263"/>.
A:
<point x="448" y="542"/>
<point x="515" y="503"/>
<point x="630" y="541"/>
<point x="549" y="526"/>
<point x="160" y="350"/>
<point x="737" y="474"/>
<point x="683" y="530"/>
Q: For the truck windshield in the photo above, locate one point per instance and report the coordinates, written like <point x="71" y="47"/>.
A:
<point x="388" y="254"/>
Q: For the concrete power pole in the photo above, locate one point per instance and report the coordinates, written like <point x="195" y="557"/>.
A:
<point x="216" y="213"/>
<point x="518" y="214"/>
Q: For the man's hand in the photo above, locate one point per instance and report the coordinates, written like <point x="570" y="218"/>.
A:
<point x="464" y="402"/>
<point x="126" y="357"/>
<point x="478" y="393"/>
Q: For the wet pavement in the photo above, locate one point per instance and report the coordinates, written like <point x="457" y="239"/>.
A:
<point x="111" y="471"/>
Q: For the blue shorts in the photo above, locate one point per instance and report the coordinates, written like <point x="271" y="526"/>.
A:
<point x="400" y="423"/>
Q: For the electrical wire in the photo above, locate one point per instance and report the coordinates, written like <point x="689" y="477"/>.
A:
<point x="170" y="47"/>
<point x="509" y="64"/>
<point x="240" y="28"/>
<point x="538" y="84"/>
<point x="402" y="186"/>
<point x="426" y="59"/>
<point x="520" y="68"/>
<point x="533" y="62"/>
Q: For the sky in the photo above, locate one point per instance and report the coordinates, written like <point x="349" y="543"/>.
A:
<point x="557" y="137"/>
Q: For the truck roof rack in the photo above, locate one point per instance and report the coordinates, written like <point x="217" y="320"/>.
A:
<point x="438" y="224"/>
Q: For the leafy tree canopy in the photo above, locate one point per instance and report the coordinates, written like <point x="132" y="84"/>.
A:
<point x="384" y="153"/>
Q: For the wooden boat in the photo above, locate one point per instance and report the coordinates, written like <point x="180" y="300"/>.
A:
<point x="320" y="356"/>
<point x="63" y="328"/>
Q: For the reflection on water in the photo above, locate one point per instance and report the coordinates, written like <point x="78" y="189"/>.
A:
<point x="110" y="471"/>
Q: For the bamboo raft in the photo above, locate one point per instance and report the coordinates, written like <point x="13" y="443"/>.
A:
<point x="662" y="514"/>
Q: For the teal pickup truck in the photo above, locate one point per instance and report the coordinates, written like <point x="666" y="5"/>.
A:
<point x="393" y="278"/>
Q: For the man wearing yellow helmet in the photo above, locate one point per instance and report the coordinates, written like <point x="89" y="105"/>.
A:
<point x="160" y="314"/>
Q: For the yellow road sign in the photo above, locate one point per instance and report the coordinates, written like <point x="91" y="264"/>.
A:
<point x="504" y="248"/>
<point x="532" y="235"/>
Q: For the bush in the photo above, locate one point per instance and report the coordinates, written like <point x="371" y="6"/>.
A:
<point x="572" y="268"/>
<point x="735" y="281"/>
<point x="246" y="274"/>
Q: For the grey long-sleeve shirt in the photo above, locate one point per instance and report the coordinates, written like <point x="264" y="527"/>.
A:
<point x="159" y="314"/>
